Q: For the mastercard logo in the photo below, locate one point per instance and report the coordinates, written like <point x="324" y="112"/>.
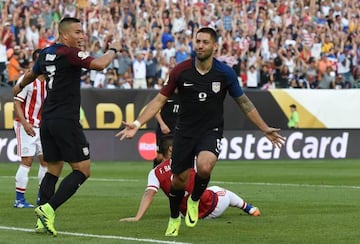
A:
<point x="147" y="146"/>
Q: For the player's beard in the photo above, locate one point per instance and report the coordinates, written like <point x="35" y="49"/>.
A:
<point x="204" y="56"/>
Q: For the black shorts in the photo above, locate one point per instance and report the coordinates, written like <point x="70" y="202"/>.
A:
<point x="63" y="140"/>
<point x="186" y="148"/>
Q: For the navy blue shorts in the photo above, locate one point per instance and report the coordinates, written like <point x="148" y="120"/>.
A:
<point x="63" y="140"/>
<point x="186" y="148"/>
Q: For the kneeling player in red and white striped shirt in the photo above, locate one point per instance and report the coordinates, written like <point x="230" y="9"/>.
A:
<point x="213" y="202"/>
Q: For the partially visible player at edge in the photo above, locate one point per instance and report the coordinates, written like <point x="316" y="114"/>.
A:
<point x="166" y="121"/>
<point x="202" y="84"/>
<point x="213" y="202"/>
<point x="61" y="134"/>
<point x="28" y="106"/>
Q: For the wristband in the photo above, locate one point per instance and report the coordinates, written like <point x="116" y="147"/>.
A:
<point x="137" y="124"/>
<point x="113" y="49"/>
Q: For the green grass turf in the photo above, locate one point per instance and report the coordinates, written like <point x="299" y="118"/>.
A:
<point x="300" y="202"/>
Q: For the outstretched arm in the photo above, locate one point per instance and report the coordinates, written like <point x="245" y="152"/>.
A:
<point x="144" y="205"/>
<point x="163" y="126"/>
<point x="150" y="111"/>
<point x="251" y="112"/>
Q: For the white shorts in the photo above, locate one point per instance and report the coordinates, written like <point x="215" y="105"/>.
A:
<point x="28" y="146"/>
<point x="223" y="202"/>
<point x="139" y="83"/>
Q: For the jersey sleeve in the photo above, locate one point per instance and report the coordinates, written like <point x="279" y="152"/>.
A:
<point x="172" y="82"/>
<point x="234" y="87"/>
<point x="153" y="181"/>
<point x="169" y="86"/>
<point x="79" y="58"/>
<point x="232" y="81"/>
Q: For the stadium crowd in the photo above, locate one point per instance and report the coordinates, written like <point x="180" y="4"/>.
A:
<point x="269" y="43"/>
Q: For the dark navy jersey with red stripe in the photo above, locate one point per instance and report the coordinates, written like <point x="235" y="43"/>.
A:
<point x="201" y="97"/>
<point x="62" y="66"/>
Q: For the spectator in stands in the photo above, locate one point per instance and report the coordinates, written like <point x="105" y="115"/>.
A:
<point x="14" y="69"/>
<point x="151" y="69"/>
<point x="111" y="79"/>
<point x="241" y="25"/>
<point x="252" y="77"/>
<point x="322" y="65"/>
<point x="339" y="84"/>
<point x="182" y="53"/>
<point x="139" y="69"/>
<point x="3" y="59"/>
<point x="124" y="62"/>
<point x="32" y="32"/>
<point x="126" y="81"/>
<point x="85" y="81"/>
<point x="169" y="51"/>
<point x="343" y="69"/>
<point x="266" y="80"/>
<point x="327" y="80"/>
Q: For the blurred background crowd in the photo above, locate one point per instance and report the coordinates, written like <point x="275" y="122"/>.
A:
<point x="304" y="44"/>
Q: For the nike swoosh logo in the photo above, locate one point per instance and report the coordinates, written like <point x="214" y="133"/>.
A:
<point x="190" y="220"/>
<point x="188" y="84"/>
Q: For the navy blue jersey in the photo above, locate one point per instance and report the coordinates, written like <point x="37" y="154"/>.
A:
<point x="201" y="97"/>
<point x="170" y="111"/>
<point x="62" y="66"/>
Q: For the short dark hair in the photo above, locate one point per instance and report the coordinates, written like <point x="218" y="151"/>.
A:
<point x="35" y="54"/>
<point x="166" y="143"/>
<point x="65" y="22"/>
<point x="292" y="106"/>
<point x="209" y="31"/>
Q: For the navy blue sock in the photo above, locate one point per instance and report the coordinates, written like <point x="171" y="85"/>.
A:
<point x="199" y="187"/>
<point x="67" y="188"/>
<point x="47" y="188"/>
<point x="175" y="198"/>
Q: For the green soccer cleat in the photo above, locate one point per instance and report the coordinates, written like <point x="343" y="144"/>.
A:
<point x="46" y="215"/>
<point x="173" y="226"/>
<point x="192" y="212"/>
<point x="39" y="227"/>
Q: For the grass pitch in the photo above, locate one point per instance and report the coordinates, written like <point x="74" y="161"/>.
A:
<point x="300" y="202"/>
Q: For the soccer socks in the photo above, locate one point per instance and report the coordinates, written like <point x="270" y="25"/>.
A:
<point x="175" y="198"/>
<point x="235" y="200"/>
<point x="67" y="188"/>
<point x="47" y="188"/>
<point x="41" y="173"/>
<point x="21" y="181"/>
<point x="199" y="187"/>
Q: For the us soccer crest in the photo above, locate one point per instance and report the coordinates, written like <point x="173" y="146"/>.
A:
<point x="215" y="86"/>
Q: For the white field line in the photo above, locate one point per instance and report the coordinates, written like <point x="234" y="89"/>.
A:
<point x="223" y="183"/>
<point x="97" y="236"/>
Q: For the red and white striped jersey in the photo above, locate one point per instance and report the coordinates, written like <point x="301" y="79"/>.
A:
<point x="32" y="99"/>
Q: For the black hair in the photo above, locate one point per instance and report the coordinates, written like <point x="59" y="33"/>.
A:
<point x="35" y="54"/>
<point x="209" y="31"/>
<point x="65" y="22"/>
<point x="166" y="143"/>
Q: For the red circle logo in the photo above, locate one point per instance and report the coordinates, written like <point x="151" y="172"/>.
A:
<point x="147" y="146"/>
